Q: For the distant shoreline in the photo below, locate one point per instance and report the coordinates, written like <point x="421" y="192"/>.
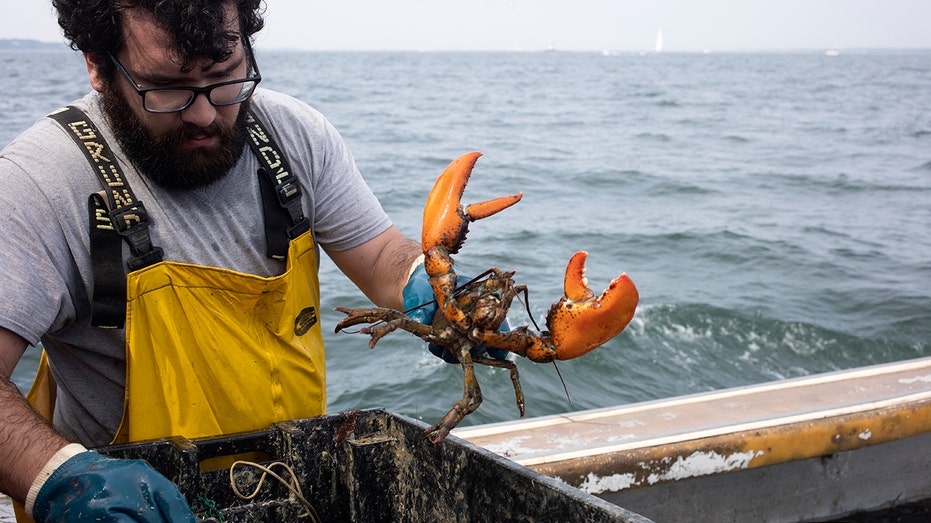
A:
<point x="23" y="44"/>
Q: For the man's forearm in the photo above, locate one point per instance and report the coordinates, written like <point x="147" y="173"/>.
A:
<point x="380" y="267"/>
<point x="27" y="442"/>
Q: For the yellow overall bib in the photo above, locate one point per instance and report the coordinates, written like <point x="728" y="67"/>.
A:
<point x="212" y="351"/>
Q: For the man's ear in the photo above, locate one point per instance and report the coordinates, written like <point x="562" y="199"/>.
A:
<point x="94" y="70"/>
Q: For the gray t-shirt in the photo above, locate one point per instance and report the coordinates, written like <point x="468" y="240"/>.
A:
<point x="45" y="269"/>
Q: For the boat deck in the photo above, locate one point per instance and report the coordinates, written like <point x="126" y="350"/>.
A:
<point x="668" y="440"/>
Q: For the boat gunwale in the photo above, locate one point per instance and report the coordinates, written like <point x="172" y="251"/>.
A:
<point x="490" y="429"/>
<point x="778" y="422"/>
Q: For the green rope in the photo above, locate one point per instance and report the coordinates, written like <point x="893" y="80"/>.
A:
<point x="210" y="509"/>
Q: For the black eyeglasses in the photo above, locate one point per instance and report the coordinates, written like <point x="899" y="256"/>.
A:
<point x="171" y="99"/>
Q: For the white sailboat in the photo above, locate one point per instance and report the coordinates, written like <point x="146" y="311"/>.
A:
<point x="659" y="41"/>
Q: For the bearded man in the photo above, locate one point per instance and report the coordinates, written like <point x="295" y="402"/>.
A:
<point x="160" y="242"/>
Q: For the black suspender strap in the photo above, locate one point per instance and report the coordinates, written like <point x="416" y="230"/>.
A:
<point x="281" y="191"/>
<point x="115" y="209"/>
<point x="109" y="300"/>
<point x="127" y="214"/>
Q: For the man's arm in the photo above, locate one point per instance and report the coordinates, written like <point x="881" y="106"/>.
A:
<point x="27" y="442"/>
<point x="380" y="267"/>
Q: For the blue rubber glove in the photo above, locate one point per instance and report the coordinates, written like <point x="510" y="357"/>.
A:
<point x="91" y="487"/>
<point x="418" y="291"/>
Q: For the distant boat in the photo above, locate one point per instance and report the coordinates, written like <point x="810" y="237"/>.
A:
<point x="659" y="40"/>
<point x="831" y="52"/>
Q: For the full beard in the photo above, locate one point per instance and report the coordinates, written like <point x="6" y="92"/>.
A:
<point x="164" y="159"/>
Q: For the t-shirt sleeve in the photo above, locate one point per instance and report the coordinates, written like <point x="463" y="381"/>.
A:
<point x="35" y="261"/>
<point x="348" y="213"/>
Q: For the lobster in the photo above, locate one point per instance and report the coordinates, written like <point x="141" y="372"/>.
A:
<point x="469" y="316"/>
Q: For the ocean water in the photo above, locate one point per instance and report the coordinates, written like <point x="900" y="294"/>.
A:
<point x="773" y="209"/>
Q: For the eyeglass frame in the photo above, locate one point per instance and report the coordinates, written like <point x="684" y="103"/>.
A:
<point x="197" y="91"/>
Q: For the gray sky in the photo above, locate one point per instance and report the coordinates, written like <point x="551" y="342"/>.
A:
<point x="687" y="25"/>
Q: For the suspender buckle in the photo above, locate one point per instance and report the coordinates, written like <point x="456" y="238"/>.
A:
<point x="299" y="228"/>
<point x="289" y="197"/>
<point x="131" y="222"/>
<point x="144" y="260"/>
<point x="288" y="191"/>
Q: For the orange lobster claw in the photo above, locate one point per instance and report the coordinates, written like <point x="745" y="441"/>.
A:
<point x="445" y="223"/>
<point x="579" y="322"/>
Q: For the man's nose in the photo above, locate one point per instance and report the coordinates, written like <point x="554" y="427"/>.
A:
<point x="201" y="112"/>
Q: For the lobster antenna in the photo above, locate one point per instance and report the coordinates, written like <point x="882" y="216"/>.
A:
<point x="526" y="302"/>
<point x="422" y="305"/>
<point x="565" y="388"/>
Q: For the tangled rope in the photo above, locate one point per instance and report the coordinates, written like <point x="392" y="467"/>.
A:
<point x="292" y="485"/>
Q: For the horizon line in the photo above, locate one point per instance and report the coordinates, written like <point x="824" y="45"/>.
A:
<point x="544" y="49"/>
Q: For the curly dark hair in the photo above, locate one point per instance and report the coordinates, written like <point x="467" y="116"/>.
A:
<point x="196" y="26"/>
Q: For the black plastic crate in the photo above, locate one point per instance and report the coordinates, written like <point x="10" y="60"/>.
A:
<point x="365" y="466"/>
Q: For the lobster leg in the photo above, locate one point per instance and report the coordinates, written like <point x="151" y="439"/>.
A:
<point x="385" y="322"/>
<point x="515" y="379"/>
<point x="472" y="393"/>
<point x="471" y="399"/>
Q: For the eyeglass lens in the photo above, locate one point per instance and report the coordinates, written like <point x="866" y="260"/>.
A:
<point x="222" y="94"/>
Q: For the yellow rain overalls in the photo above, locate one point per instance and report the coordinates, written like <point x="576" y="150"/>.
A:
<point x="211" y="351"/>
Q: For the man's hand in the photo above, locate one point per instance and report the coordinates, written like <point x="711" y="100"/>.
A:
<point x="91" y="487"/>
<point x="420" y="304"/>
